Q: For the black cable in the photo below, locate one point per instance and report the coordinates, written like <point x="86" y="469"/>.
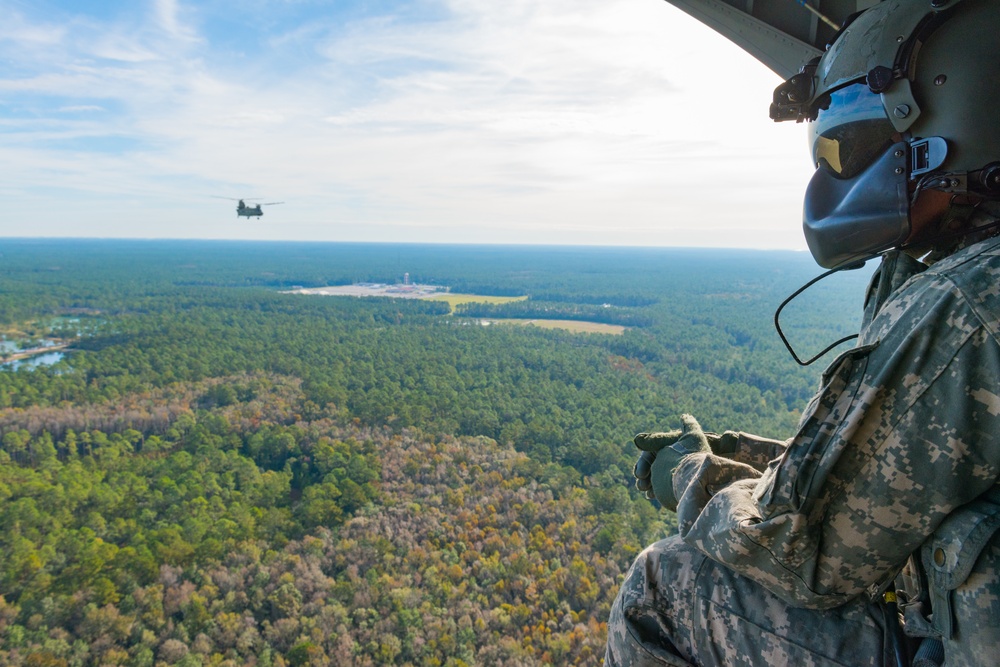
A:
<point x="857" y="265"/>
<point x="777" y="324"/>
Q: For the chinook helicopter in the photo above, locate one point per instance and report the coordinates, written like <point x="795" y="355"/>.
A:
<point x="255" y="211"/>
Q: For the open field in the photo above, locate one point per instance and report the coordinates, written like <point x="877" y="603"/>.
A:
<point x="567" y="325"/>
<point x="413" y="291"/>
<point x="458" y="299"/>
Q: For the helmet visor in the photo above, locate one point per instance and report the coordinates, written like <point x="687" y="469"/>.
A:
<point x="851" y="132"/>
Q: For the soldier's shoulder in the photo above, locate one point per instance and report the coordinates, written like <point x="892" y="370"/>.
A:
<point x="975" y="272"/>
<point x="979" y="259"/>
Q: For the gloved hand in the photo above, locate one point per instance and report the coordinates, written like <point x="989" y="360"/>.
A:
<point x="661" y="454"/>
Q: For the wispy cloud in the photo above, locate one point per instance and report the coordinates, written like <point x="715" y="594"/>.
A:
<point x="167" y="19"/>
<point x="16" y="29"/>
<point x="80" y="108"/>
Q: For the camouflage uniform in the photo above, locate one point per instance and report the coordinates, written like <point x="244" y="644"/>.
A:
<point x="777" y="563"/>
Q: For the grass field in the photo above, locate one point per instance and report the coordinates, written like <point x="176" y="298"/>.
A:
<point x="457" y="299"/>
<point x="567" y="325"/>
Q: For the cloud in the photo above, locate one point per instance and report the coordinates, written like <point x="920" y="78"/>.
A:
<point x="167" y="13"/>
<point x="22" y="32"/>
<point x="80" y="108"/>
<point x="592" y="121"/>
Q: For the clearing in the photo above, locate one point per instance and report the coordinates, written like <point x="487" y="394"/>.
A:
<point x="458" y="299"/>
<point x="574" y="326"/>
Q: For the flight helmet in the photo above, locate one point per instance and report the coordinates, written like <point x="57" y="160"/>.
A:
<point x="904" y="100"/>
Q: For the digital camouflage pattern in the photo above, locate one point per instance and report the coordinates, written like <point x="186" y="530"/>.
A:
<point x="904" y="431"/>
<point x="677" y="602"/>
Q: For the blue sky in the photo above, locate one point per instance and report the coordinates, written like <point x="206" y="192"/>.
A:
<point x="611" y="122"/>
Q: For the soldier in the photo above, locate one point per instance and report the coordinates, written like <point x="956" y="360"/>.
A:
<point x="790" y="553"/>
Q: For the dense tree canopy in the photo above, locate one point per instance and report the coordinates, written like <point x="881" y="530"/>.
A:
<point x="222" y="473"/>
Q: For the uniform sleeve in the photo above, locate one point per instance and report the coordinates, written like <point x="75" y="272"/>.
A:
<point x="752" y="450"/>
<point x="903" y="430"/>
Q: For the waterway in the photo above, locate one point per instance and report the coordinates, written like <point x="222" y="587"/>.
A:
<point x="42" y="359"/>
<point x="42" y="342"/>
<point x="43" y="353"/>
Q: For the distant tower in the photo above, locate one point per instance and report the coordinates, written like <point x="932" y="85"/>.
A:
<point x="406" y="278"/>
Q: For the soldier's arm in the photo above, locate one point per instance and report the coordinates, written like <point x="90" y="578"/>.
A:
<point x="752" y="450"/>
<point x="903" y="431"/>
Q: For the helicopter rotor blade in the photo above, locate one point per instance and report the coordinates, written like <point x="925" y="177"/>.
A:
<point x="247" y="200"/>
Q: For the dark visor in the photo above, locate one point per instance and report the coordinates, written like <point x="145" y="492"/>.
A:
<point x="851" y="132"/>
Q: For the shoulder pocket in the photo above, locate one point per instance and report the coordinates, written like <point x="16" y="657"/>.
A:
<point x="799" y="475"/>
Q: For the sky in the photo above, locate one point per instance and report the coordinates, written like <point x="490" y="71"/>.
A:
<point x="599" y="122"/>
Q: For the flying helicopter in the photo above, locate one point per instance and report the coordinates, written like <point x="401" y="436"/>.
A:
<point x="246" y="210"/>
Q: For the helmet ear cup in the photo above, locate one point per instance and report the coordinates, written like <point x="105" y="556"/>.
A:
<point x="956" y="81"/>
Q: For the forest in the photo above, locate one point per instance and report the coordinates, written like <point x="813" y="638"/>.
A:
<point x="220" y="473"/>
